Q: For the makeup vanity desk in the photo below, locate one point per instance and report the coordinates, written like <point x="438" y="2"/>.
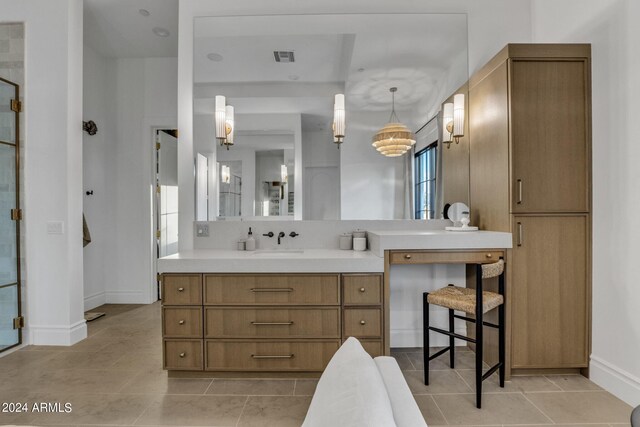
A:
<point x="441" y="247"/>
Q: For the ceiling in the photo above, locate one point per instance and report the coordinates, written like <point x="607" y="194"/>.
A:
<point x="359" y="55"/>
<point x="117" y="29"/>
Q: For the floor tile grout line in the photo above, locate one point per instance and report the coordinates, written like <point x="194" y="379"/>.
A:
<point x="242" y="410"/>
<point x="209" y="386"/>
<point x="142" y="413"/>
<point x="295" y="383"/>
<point x="536" y="406"/>
<point x="440" y="410"/>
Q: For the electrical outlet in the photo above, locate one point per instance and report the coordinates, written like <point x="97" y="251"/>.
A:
<point x="202" y="230"/>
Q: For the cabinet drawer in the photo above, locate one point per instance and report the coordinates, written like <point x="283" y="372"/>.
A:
<point x="362" y="289"/>
<point x="272" y="322"/>
<point x="182" y="289"/>
<point x="269" y="355"/>
<point x="182" y="322"/>
<point x="362" y="322"/>
<point x="183" y="355"/>
<point x="408" y="257"/>
<point x="265" y="289"/>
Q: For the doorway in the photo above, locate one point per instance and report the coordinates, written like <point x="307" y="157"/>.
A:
<point x="166" y="195"/>
<point x="11" y="321"/>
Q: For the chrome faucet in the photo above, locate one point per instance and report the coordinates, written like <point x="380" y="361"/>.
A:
<point x="280" y="235"/>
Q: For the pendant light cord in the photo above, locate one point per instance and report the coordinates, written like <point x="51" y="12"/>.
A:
<point x="393" y="106"/>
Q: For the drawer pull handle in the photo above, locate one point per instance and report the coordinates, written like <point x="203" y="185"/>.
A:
<point x="362" y="289"/>
<point x="272" y="290"/>
<point x="183" y="354"/>
<point x="272" y="323"/>
<point x="180" y="289"/>
<point x="181" y="322"/>
<point x="519" y="201"/>
<point x="275" y="356"/>
<point x="407" y="256"/>
<point x="362" y="322"/>
<point x="489" y="256"/>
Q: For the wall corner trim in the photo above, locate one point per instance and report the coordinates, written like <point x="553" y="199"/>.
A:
<point x="618" y="382"/>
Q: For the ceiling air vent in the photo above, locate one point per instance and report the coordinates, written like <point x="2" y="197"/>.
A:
<point x="283" y="55"/>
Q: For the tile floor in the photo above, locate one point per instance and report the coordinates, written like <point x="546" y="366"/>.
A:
<point x="114" y="377"/>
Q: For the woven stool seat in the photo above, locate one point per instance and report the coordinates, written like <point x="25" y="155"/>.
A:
<point x="464" y="299"/>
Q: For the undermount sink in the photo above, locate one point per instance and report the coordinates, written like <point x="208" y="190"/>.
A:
<point x="278" y="252"/>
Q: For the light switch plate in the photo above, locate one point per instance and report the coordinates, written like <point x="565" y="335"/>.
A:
<point x="55" y="227"/>
<point x="202" y="230"/>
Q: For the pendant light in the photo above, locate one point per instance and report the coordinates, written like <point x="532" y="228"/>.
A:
<point x="394" y="139"/>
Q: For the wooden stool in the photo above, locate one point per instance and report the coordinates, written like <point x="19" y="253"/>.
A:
<point x="467" y="300"/>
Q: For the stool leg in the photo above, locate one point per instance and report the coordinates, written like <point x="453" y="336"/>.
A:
<point x="452" y="341"/>
<point x="479" y="336"/>
<point x="425" y="334"/>
<point x="501" y="331"/>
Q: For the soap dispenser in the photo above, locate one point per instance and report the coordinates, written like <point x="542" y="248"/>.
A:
<point x="251" y="242"/>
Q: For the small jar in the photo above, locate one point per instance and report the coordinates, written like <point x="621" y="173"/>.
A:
<point x="242" y="245"/>
<point x="346" y="241"/>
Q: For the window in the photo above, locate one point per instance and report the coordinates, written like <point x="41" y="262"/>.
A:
<point x="425" y="191"/>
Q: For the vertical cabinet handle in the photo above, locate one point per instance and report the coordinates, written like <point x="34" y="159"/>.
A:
<point x="519" y="201"/>
<point x="520" y="234"/>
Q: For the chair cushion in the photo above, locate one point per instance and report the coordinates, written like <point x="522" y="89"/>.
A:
<point x="464" y="299"/>
<point x="350" y="392"/>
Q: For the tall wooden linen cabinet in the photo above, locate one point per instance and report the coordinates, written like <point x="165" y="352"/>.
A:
<point x="530" y="174"/>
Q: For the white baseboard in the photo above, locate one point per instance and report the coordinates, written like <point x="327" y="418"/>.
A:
<point x="95" y="300"/>
<point x="57" y="334"/>
<point x="413" y="338"/>
<point x="616" y="381"/>
<point x="126" y="297"/>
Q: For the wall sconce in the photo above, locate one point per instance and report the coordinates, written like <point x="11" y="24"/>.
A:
<point x="284" y="173"/>
<point x="224" y="122"/>
<point x="453" y="120"/>
<point x="339" y="120"/>
<point x="225" y="174"/>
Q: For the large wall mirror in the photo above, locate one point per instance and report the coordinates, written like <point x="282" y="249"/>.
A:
<point x="274" y="79"/>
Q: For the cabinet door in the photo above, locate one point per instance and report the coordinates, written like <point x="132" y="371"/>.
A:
<point x="550" y="135"/>
<point x="549" y="292"/>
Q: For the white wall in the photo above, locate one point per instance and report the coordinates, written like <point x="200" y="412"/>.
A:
<point x="52" y="167"/>
<point x="145" y="99"/>
<point x="611" y="27"/>
<point x="99" y="173"/>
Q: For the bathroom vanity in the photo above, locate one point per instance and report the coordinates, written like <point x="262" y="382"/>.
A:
<point x="287" y="311"/>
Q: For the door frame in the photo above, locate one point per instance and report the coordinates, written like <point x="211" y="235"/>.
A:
<point x="18" y="221"/>
<point x="150" y="128"/>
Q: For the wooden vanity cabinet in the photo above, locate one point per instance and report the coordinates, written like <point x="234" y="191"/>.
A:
<point x="267" y="322"/>
<point x="530" y="169"/>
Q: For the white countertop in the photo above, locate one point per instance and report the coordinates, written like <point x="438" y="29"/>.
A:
<point x="308" y="261"/>
<point x="380" y="241"/>
<point x="329" y="260"/>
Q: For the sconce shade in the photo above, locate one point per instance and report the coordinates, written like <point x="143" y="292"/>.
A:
<point x="339" y="120"/>
<point x="284" y="173"/>
<point x="220" y="117"/>
<point x="225" y="173"/>
<point x="229" y="126"/>
<point x="394" y="139"/>
<point x="458" y="115"/>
